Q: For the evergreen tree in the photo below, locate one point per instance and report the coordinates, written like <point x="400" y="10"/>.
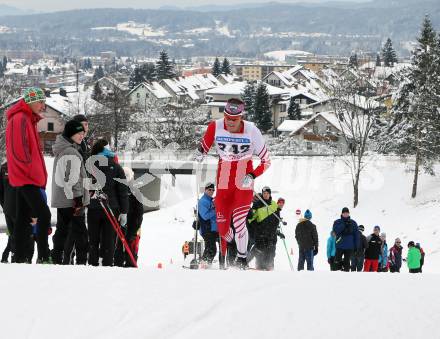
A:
<point x="415" y="127"/>
<point x="248" y="97"/>
<point x="99" y="73"/>
<point x="353" y="62"/>
<point x="389" y="55"/>
<point x="143" y="73"/>
<point x="216" y="68"/>
<point x="378" y="62"/>
<point x="226" y="67"/>
<point x="164" y="68"/>
<point x="294" y="111"/>
<point x="97" y="92"/>
<point x="47" y="71"/>
<point x="263" y="114"/>
<point x="5" y="63"/>
<point x="2" y="71"/>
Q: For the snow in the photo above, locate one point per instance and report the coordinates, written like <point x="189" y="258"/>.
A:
<point x="80" y="302"/>
<point x="282" y="55"/>
<point x="291" y="125"/>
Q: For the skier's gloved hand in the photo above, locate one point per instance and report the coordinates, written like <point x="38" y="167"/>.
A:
<point x="248" y="180"/>
<point x="281" y="235"/>
<point x="199" y="155"/>
<point x="315" y="251"/>
<point x="123" y="219"/>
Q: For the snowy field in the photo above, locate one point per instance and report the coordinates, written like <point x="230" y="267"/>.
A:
<point x="85" y="302"/>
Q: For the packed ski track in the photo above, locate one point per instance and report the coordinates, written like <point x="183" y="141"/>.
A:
<point x="96" y="302"/>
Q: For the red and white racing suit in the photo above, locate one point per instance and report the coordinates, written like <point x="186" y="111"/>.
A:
<point x="233" y="200"/>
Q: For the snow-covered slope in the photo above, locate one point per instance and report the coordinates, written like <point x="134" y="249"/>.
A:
<point x="86" y="302"/>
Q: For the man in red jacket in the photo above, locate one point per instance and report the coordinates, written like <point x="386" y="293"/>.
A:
<point x="27" y="172"/>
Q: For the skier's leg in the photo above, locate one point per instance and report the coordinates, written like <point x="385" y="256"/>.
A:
<point x="108" y="242"/>
<point x="241" y="203"/>
<point x="223" y="209"/>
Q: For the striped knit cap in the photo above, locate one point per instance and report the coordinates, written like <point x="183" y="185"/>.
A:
<point x="33" y="94"/>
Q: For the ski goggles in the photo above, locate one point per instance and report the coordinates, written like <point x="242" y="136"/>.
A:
<point x="234" y="108"/>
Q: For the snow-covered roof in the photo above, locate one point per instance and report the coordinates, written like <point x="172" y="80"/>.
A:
<point x="356" y="100"/>
<point x="154" y="88"/>
<point x="237" y="89"/>
<point x="291" y="125"/>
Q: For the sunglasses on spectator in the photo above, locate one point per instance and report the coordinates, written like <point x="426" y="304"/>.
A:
<point x="211" y="189"/>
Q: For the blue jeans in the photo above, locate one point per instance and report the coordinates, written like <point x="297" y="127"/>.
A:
<point x="305" y="255"/>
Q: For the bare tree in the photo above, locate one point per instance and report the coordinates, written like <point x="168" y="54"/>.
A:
<point x="357" y="115"/>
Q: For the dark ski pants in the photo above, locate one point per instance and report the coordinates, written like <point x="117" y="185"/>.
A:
<point x="265" y="253"/>
<point x="101" y="236"/>
<point x="394" y="269"/>
<point x="210" y="251"/>
<point x="31" y="204"/>
<point x="331" y="262"/>
<point x="10" y="245"/>
<point x="70" y="231"/>
<point x="414" y="270"/>
<point x="342" y="259"/>
<point x="357" y="263"/>
<point x="305" y="256"/>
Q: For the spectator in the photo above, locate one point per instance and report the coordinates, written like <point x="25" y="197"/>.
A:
<point x="395" y="257"/>
<point x="347" y="240"/>
<point x="185" y="249"/>
<point x="115" y="193"/>
<point x="331" y="250"/>
<point x="413" y="259"/>
<point x="27" y="173"/>
<point x="383" y="258"/>
<point x="266" y="230"/>
<point x="307" y="238"/>
<point x="208" y="224"/>
<point x="422" y="253"/>
<point x="135" y="217"/>
<point x="357" y="261"/>
<point x="373" y="251"/>
<point x="69" y="197"/>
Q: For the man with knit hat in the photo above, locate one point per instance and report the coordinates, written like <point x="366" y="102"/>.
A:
<point x="347" y="239"/>
<point x="236" y="142"/>
<point x="307" y="238"/>
<point x="69" y="195"/>
<point x="27" y="172"/>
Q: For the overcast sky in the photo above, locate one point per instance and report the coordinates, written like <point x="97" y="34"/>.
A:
<point x="53" y="5"/>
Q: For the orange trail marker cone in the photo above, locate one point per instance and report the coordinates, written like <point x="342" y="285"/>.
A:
<point x="159" y="265"/>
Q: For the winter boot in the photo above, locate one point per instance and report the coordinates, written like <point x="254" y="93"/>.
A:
<point x="241" y="263"/>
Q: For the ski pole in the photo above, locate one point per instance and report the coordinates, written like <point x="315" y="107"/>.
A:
<point x="281" y="229"/>
<point x="111" y="217"/>
<point x="194" y="264"/>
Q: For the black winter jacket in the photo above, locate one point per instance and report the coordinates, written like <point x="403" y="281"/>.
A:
<point x="363" y="244"/>
<point x="306" y="235"/>
<point x="374" y="249"/>
<point x="116" y="192"/>
<point x="7" y="193"/>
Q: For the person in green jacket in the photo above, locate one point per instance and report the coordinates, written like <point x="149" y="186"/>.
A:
<point x="266" y="217"/>
<point x="413" y="258"/>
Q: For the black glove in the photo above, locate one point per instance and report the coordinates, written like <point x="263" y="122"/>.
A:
<point x="315" y="251"/>
<point x="281" y="235"/>
<point x="196" y="225"/>
<point x="78" y="206"/>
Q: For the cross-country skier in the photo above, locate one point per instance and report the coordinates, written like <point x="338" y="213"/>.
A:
<point x="236" y="141"/>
